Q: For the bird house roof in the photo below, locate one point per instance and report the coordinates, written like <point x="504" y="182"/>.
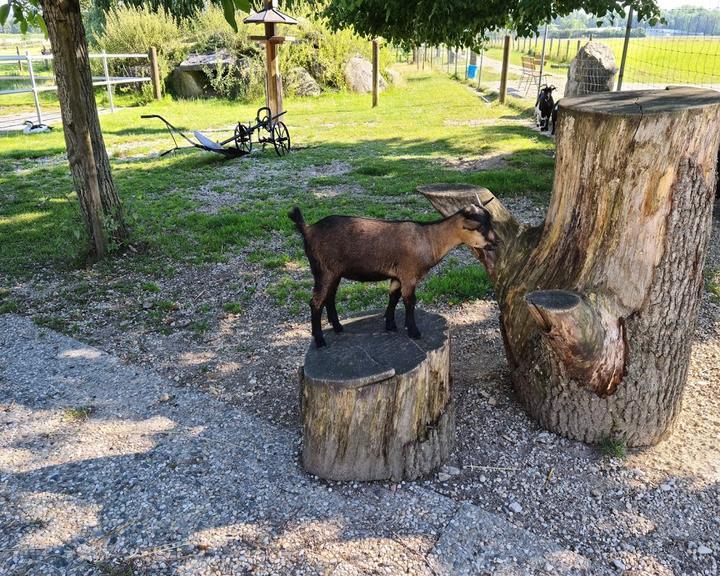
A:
<point x="269" y="16"/>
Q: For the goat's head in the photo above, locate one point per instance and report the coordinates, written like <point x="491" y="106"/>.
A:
<point x="476" y="228"/>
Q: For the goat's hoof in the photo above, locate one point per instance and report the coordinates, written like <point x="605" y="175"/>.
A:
<point x="391" y="327"/>
<point x="338" y="328"/>
<point x="414" y="334"/>
<point x="320" y="342"/>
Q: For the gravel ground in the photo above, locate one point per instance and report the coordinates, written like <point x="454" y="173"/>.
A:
<point x="109" y="469"/>
<point x="657" y="511"/>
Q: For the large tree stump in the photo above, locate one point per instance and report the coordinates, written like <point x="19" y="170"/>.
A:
<point x="377" y="405"/>
<point x="598" y="305"/>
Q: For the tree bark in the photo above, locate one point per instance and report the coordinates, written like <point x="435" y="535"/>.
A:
<point x="87" y="156"/>
<point x="377" y="405"/>
<point x="598" y="305"/>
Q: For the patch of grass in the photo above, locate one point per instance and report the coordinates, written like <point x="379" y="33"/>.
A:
<point x="613" y="447"/>
<point x="200" y="326"/>
<point x="712" y="284"/>
<point x="291" y="293"/>
<point x="9" y="306"/>
<point x="53" y="323"/>
<point x="40" y="223"/>
<point x="167" y="305"/>
<point x="78" y="413"/>
<point x="233" y="308"/>
<point x="149" y="287"/>
<point x="356" y="296"/>
<point x="456" y="283"/>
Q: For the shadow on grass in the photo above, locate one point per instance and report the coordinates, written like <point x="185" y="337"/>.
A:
<point x="163" y="197"/>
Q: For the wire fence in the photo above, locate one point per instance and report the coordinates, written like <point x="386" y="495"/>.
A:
<point x="682" y="50"/>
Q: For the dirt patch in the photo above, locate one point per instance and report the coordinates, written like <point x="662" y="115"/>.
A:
<point x="491" y="161"/>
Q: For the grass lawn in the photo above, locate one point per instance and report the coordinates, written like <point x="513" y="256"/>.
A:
<point x="190" y="208"/>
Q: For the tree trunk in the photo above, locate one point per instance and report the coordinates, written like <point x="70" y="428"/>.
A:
<point x="87" y="157"/>
<point x="377" y="405"/>
<point x="598" y="306"/>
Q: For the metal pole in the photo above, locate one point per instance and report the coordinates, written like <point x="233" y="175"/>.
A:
<point x="482" y="53"/>
<point x="504" y="72"/>
<point x="628" y="29"/>
<point x="107" y="82"/>
<point x="34" y="87"/>
<point x="542" y="58"/>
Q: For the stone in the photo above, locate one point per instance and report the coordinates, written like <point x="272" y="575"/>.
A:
<point x="592" y="70"/>
<point x="619" y="564"/>
<point x="394" y="77"/>
<point x="188" y="83"/>
<point x="515" y="507"/>
<point x="358" y="75"/>
<point x="704" y="550"/>
<point x="298" y="81"/>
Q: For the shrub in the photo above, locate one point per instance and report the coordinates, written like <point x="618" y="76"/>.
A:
<point x="131" y="29"/>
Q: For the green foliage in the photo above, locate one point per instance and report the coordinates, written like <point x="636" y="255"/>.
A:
<point x="78" y="413"/>
<point x="134" y="29"/>
<point x="323" y="52"/>
<point x="459" y="22"/>
<point x="713" y="284"/>
<point x="613" y="447"/>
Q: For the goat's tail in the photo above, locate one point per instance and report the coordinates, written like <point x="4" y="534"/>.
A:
<point x="296" y="216"/>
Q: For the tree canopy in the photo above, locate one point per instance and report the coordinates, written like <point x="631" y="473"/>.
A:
<point x="461" y="22"/>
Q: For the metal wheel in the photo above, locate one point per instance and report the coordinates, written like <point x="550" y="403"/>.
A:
<point x="281" y="138"/>
<point x="243" y="138"/>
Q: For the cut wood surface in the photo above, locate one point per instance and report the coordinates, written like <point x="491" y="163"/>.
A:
<point x="598" y="305"/>
<point x="377" y="405"/>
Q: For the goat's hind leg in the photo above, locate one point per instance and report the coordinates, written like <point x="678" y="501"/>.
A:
<point x="317" y="302"/>
<point x="331" y="310"/>
<point x="395" y="292"/>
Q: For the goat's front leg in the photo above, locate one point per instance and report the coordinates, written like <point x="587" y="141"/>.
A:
<point x="392" y="303"/>
<point x="408" y="295"/>
<point x="331" y="310"/>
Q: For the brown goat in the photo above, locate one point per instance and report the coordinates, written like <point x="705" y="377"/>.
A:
<point x="369" y="250"/>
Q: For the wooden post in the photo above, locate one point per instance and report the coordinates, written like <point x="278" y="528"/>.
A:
<point x="108" y="85"/>
<point x="504" y="72"/>
<point x="578" y="47"/>
<point x="375" y="72"/>
<point x="567" y="49"/>
<point x="17" y="50"/>
<point x="274" y="98"/>
<point x="628" y="29"/>
<point x="155" y="73"/>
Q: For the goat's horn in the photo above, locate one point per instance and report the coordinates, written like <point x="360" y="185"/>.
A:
<point x="488" y="202"/>
<point x="479" y="202"/>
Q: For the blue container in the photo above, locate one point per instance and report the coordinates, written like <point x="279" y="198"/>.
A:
<point x="472" y="70"/>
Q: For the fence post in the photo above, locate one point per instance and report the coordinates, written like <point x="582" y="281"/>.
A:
<point x="628" y="29"/>
<point x="107" y="82"/>
<point x="504" y="72"/>
<point x="155" y="73"/>
<point x="578" y="47"/>
<point x="542" y="57"/>
<point x="467" y="61"/>
<point x="567" y="49"/>
<point x="482" y="53"/>
<point x="17" y="50"/>
<point x="34" y="87"/>
<point x="375" y="79"/>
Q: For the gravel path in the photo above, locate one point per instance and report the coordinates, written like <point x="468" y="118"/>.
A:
<point x="109" y="469"/>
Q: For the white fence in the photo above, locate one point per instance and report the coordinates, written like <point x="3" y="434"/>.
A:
<point x="34" y="88"/>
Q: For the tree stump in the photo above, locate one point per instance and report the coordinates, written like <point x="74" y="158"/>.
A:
<point x="377" y="405"/>
<point x="598" y="305"/>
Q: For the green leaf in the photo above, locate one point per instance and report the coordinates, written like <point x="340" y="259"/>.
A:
<point x="4" y="13"/>
<point x="42" y="25"/>
<point x="242" y="5"/>
<point x="229" y="11"/>
<point x="23" y="26"/>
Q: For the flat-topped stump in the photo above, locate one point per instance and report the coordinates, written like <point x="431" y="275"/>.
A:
<point x="377" y="405"/>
